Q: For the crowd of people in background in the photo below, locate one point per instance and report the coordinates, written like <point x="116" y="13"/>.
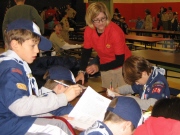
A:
<point x="167" y="20"/>
<point x="52" y="15"/>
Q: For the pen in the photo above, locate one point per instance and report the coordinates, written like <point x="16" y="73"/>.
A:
<point x="111" y="84"/>
<point x="61" y="83"/>
<point x="83" y="87"/>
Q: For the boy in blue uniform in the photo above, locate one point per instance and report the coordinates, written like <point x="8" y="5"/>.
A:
<point x="121" y="118"/>
<point x="58" y="79"/>
<point x="17" y="102"/>
<point x="146" y="80"/>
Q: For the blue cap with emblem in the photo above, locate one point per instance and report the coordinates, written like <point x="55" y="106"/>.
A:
<point x="128" y="109"/>
<point x="44" y="43"/>
<point x="61" y="73"/>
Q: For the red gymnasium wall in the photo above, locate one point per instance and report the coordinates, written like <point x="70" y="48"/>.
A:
<point x="132" y="10"/>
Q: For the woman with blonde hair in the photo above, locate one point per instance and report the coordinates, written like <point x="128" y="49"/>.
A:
<point x="108" y="40"/>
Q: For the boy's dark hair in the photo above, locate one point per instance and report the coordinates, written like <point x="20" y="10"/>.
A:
<point x="133" y="67"/>
<point x="167" y="108"/>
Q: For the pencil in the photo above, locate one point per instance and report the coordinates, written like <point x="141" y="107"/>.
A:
<point x="61" y="83"/>
<point x="111" y="84"/>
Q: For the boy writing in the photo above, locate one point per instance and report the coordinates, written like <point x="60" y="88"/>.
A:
<point x="58" y="79"/>
<point x="144" y="79"/>
<point x="18" y="103"/>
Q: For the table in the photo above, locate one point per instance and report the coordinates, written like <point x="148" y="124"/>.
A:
<point x="160" y="58"/>
<point x="145" y="39"/>
<point x="165" y="32"/>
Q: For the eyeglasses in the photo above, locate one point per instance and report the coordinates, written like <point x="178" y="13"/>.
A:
<point x="100" y="20"/>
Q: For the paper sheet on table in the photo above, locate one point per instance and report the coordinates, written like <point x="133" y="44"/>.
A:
<point x="90" y="108"/>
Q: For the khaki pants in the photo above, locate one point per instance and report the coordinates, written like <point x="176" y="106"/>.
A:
<point x="112" y="75"/>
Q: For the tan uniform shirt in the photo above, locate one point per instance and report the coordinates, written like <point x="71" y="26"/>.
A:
<point x="148" y="22"/>
<point x="71" y="12"/>
<point x="65" y="30"/>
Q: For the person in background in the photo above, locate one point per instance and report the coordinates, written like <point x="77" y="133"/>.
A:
<point x="71" y="13"/>
<point x="116" y="12"/>
<point x="50" y="25"/>
<point x="50" y="12"/>
<point x="124" y="25"/>
<point x="43" y="14"/>
<point x="159" y="16"/>
<point x="165" y="19"/>
<point x="58" y="14"/>
<point x="148" y="22"/>
<point x="116" y="19"/>
<point x="139" y="25"/>
<point x="164" y="119"/>
<point x="65" y="26"/>
<point x="174" y="23"/>
<point x="145" y="80"/>
<point x="57" y="40"/>
<point x="170" y="14"/>
<point x="20" y="98"/>
<point x="22" y="11"/>
<point x="122" y="117"/>
<point x="108" y="40"/>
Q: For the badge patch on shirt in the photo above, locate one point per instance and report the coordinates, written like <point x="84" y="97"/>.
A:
<point x="16" y="70"/>
<point x="21" y="86"/>
<point x="108" y="46"/>
<point x="158" y="84"/>
<point x="157" y="87"/>
<point x="156" y="90"/>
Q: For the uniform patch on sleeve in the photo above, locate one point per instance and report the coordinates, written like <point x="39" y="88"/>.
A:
<point x="157" y="87"/>
<point x="21" y="86"/>
<point x="16" y="70"/>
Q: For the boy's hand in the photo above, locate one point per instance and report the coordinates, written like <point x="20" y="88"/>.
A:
<point x="80" y="77"/>
<point x="92" y="69"/>
<point x="72" y="92"/>
<point x="111" y="93"/>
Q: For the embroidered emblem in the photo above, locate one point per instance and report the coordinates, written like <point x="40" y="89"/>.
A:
<point x="15" y="70"/>
<point x="108" y="46"/>
<point x="148" y="89"/>
<point x="156" y="90"/>
<point x="158" y="84"/>
<point x="21" y="86"/>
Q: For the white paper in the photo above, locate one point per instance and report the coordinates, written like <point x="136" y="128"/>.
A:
<point x="90" y="108"/>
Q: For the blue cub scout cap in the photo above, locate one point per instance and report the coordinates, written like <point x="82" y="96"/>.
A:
<point x="44" y="43"/>
<point x="128" y="109"/>
<point x="61" y="73"/>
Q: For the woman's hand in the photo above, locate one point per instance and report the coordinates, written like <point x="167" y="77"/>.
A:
<point x="92" y="69"/>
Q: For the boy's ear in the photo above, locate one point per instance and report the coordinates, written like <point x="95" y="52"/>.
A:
<point x="14" y="44"/>
<point x="127" y="125"/>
